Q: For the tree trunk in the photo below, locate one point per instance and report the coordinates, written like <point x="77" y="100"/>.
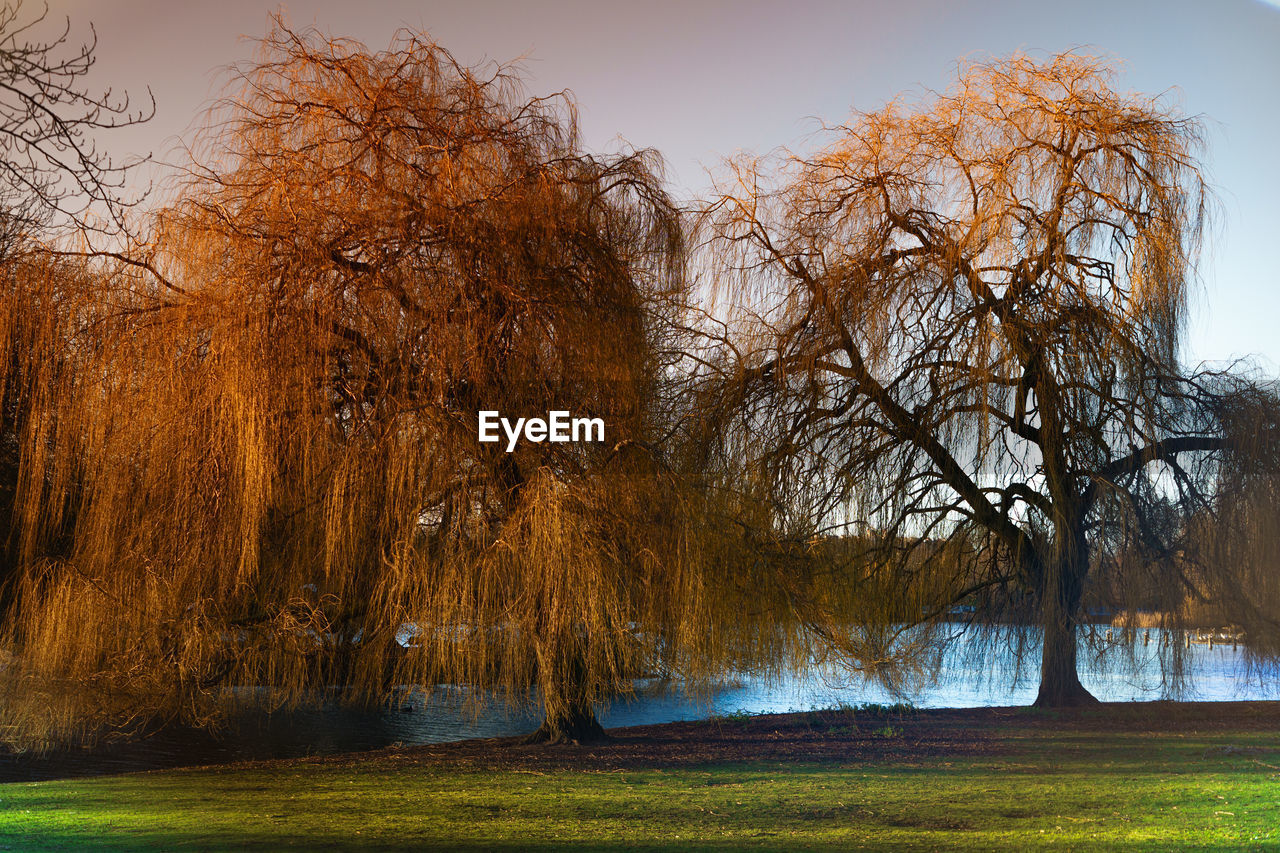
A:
<point x="1060" y="685"/>
<point x="570" y="717"/>
<point x="576" y="725"/>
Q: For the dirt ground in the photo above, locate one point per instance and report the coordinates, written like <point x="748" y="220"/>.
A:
<point x="831" y="736"/>
<point x="840" y="737"/>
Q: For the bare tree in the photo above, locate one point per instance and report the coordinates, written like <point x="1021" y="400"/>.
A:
<point x="958" y="325"/>
<point x="52" y="173"/>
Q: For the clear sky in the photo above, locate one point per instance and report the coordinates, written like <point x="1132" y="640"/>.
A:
<point x="700" y="80"/>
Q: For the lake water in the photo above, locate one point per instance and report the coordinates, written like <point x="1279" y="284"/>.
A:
<point x="1219" y="673"/>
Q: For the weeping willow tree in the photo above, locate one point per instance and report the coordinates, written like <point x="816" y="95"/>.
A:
<point x="55" y="184"/>
<point x="955" y="329"/>
<point x="272" y="428"/>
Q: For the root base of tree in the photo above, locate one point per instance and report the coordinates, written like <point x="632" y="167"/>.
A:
<point x="1066" y="696"/>
<point x="576" y="731"/>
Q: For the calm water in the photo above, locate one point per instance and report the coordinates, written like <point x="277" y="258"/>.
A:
<point x="416" y="717"/>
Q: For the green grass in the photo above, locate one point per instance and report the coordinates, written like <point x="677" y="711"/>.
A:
<point x="1065" y="789"/>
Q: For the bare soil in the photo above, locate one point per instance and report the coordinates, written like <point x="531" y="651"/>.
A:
<point x="829" y="736"/>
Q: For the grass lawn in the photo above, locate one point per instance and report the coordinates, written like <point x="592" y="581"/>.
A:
<point x="1125" y="777"/>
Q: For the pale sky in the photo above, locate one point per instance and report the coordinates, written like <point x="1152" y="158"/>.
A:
<point x="701" y="80"/>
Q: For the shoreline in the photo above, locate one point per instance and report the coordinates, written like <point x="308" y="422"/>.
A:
<point x="822" y="736"/>
<point x="818" y="736"/>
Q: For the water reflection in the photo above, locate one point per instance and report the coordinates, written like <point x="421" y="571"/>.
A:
<point x="1216" y="673"/>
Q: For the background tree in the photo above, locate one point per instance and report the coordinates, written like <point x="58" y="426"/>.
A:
<point x="958" y="325"/>
<point x="52" y="173"/>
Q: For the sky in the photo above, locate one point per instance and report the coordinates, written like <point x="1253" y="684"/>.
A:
<point x="702" y="80"/>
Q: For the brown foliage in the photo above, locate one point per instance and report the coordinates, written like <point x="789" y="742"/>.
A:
<point x="243" y="462"/>
<point x="280" y="475"/>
